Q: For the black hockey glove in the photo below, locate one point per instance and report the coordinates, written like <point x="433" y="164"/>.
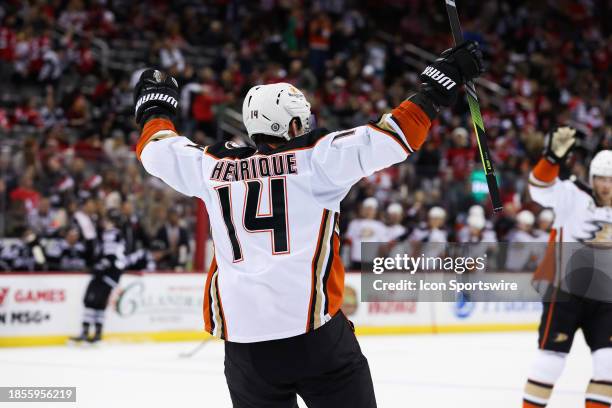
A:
<point x="559" y="144"/>
<point x="454" y="67"/>
<point x="155" y="94"/>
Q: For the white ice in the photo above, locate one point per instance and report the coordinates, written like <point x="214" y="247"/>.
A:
<point x="437" y="371"/>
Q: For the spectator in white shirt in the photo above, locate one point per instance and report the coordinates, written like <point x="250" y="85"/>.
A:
<point x="395" y="216"/>
<point x="431" y="232"/>
<point x="171" y="57"/>
<point x="545" y="222"/>
<point x="366" y="228"/>
<point x="521" y="255"/>
<point x="480" y="239"/>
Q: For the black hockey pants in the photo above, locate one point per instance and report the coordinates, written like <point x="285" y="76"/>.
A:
<point x="325" y="367"/>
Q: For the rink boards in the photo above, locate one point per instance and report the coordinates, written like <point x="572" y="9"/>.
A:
<point x="44" y="309"/>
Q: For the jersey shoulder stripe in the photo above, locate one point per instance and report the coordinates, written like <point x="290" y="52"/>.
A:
<point x="584" y="188"/>
<point x="392" y="135"/>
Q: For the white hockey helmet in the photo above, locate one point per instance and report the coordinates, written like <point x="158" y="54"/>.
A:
<point x="525" y="217"/>
<point x="268" y="109"/>
<point x="601" y="165"/>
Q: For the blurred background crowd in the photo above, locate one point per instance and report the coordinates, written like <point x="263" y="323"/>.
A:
<point x="67" y="69"/>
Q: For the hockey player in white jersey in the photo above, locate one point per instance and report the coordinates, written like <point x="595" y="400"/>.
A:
<point x="276" y="282"/>
<point x="582" y="225"/>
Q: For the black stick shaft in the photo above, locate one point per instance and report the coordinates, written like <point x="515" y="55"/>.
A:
<point x="472" y="97"/>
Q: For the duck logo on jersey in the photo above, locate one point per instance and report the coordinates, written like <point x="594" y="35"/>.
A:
<point x="599" y="236"/>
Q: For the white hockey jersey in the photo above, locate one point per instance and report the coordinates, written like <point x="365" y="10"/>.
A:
<point x="583" y="227"/>
<point x="276" y="272"/>
<point x="577" y="217"/>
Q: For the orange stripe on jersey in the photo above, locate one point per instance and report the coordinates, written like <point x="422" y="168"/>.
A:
<point x="393" y="136"/>
<point x="335" y="282"/>
<point x="553" y="299"/>
<point x="221" y="313"/>
<point x="551" y="310"/>
<point x="207" y="311"/>
<point x="546" y="171"/>
<point x="314" y="267"/>
<point x="413" y="121"/>
<point x="150" y="128"/>
<point x="529" y="404"/>
<point x="546" y="268"/>
<point x="326" y="269"/>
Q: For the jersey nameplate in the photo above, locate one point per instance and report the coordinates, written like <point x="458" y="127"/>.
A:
<point x="254" y="167"/>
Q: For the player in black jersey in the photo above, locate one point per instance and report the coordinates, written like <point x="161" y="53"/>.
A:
<point x="108" y="265"/>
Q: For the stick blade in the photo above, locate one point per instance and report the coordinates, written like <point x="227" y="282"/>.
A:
<point x="494" y="193"/>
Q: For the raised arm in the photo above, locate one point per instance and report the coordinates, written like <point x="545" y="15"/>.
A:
<point x="163" y="153"/>
<point x="343" y="158"/>
<point x="545" y="187"/>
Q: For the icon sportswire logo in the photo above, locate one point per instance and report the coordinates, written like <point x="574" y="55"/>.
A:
<point x="439" y="77"/>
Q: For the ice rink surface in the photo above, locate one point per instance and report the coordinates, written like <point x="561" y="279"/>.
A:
<point x="435" y="371"/>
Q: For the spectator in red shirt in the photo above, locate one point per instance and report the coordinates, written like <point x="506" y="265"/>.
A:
<point x="320" y="32"/>
<point x="90" y="148"/>
<point x="27" y="114"/>
<point x="460" y="157"/>
<point x="202" y="107"/>
<point x="78" y="114"/>
<point x="26" y="193"/>
<point x="85" y="59"/>
<point x="7" y="39"/>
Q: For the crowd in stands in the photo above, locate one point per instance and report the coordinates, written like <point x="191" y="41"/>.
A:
<point x="67" y="133"/>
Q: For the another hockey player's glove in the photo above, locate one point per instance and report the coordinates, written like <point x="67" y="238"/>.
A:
<point x="454" y="67"/>
<point x="155" y="94"/>
<point x="559" y="144"/>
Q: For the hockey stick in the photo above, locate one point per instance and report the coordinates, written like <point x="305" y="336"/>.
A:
<point x="472" y="98"/>
<point x="194" y="351"/>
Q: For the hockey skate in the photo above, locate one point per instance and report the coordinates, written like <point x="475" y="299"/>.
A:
<point x="84" y="336"/>
<point x="79" y="339"/>
<point x="97" y="337"/>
